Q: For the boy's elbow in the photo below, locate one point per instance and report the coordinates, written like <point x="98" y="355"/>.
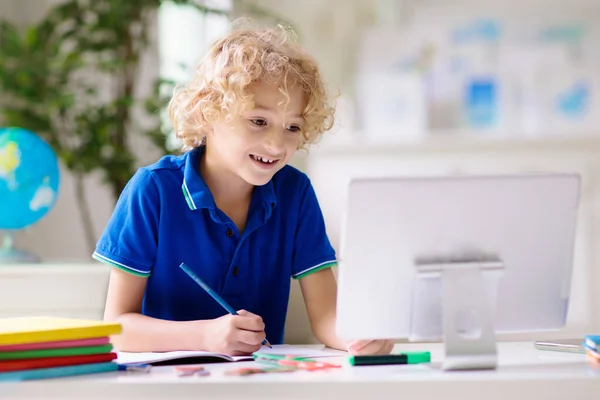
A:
<point x="118" y="341"/>
<point x="126" y="340"/>
<point x="330" y="339"/>
<point x="324" y="331"/>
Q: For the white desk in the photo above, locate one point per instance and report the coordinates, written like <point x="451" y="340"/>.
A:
<point x="524" y="373"/>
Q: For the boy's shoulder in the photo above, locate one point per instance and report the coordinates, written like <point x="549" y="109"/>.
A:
<point x="162" y="174"/>
<point x="168" y="163"/>
<point x="166" y="166"/>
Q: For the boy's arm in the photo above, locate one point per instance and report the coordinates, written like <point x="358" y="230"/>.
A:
<point x="142" y="333"/>
<point x="319" y="290"/>
<point x="235" y="335"/>
<point x="320" y="296"/>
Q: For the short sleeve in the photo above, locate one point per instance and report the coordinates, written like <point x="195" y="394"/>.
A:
<point x="312" y="249"/>
<point x="129" y="241"/>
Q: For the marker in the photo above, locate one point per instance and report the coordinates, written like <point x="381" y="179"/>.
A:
<point x="305" y="363"/>
<point x="252" y="371"/>
<point x="404" y="358"/>
<point x="214" y="295"/>
<point x="592" y="342"/>
<point x="191" y="370"/>
<point x="135" y="367"/>
<point x="277" y="357"/>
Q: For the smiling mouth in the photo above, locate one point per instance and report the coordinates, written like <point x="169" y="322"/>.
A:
<point x="264" y="160"/>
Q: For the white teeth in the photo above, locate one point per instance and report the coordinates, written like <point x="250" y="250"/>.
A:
<point x="263" y="159"/>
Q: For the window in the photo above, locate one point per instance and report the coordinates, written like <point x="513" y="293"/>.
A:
<point x="184" y="35"/>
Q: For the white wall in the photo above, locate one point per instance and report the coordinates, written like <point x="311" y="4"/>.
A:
<point x="328" y="30"/>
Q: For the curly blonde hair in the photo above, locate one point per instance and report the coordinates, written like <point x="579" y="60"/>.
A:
<point x="220" y="85"/>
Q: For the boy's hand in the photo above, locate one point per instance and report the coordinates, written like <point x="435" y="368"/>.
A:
<point x="364" y="347"/>
<point x="235" y="335"/>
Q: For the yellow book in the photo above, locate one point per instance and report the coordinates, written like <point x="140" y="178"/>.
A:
<point x="49" y="329"/>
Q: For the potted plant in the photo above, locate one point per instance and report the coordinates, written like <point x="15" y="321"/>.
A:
<point x="73" y="77"/>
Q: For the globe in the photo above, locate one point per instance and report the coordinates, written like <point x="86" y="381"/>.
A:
<point x="29" y="180"/>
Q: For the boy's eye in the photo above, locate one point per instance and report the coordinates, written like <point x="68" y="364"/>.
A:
<point x="258" y="121"/>
<point x="294" y="128"/>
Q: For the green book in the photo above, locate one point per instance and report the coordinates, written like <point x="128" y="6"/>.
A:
<point x="60" y="352"/>
<point x="55" y="372"/>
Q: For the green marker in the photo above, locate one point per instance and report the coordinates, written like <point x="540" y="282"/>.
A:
<point x="390" y="359"/>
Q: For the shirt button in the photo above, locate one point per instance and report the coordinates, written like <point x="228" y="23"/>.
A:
<point x="229" y="232"/>
<point x="235" y="271"/>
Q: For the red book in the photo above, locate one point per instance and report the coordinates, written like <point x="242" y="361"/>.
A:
<point x="36" y="363"/>
<point x="59" y="344"/>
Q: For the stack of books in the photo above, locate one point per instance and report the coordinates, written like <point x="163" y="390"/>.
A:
<point x="47" y="347"/>
<point x="592" y="347"/>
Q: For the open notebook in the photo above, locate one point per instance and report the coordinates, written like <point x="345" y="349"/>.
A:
<point x="198" y="357"/>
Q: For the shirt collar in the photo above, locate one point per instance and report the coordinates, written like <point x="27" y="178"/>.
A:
<point x="196" y="193"/>
<point x="198" y="196"/>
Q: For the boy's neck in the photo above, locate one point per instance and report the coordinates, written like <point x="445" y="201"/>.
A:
<point x="226" y="187"/>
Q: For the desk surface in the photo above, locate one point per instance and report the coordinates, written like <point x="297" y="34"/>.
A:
<point x="523" y="373"/>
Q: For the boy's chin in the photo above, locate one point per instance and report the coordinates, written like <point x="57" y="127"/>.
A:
<point x="256" y="179"/>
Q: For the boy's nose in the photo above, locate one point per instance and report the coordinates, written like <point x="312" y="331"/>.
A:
<point x="275" y="142"/>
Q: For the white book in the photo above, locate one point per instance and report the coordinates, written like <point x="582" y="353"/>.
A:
<point x="200" y="357"/>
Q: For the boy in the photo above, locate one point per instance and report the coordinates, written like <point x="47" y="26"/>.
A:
<point x="230" y="208"/>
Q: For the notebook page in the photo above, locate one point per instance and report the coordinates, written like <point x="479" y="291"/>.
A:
<point x="296" y="351"/>
<point x="148" y="358"/>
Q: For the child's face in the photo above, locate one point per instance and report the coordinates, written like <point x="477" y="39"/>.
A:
<point x="257" y="144"/>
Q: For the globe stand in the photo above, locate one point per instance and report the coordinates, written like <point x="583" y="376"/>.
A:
<point x="10" y="255"/>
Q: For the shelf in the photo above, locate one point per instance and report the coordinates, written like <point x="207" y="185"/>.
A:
<point x="458" y="142"/>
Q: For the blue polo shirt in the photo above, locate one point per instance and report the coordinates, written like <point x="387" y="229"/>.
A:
<point x="166" y="215"/>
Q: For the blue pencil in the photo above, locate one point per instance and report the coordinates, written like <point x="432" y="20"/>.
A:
<point x="213" y="294"/>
